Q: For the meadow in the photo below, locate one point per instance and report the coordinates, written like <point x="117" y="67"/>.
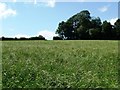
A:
<point x="60" y="64"/>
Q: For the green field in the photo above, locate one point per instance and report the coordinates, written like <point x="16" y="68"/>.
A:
<point x="54" y="64"/>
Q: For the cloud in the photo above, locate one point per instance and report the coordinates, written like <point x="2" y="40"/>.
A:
<point x="45" y="3"/>
<point x="14" y="1"/>
<point x="21" y="35"/>
<point x="50" y="3"/>
<point x="35" y="1"/>
<point x="113" y="20"/>
<point x="47" y="34"/>
<point x="5" y="11"/>
<point x="103" y="9"/>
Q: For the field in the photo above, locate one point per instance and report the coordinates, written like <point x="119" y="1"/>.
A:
<point x="60" y="64"/>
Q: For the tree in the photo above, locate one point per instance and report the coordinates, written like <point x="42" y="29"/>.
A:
<point x="106" y="30"/>
<point x="82" y="33"/>
<point x="85" y="19"/>
<point x="117" y="28"/>
<point x="83" y="26"/>
<point x="95" y="33"/>
<point x="40" y="37"/>
<point x="68" y="30"/>
<point x="61" y="29"/>
<point x="95" y="30"/>
<point x="71" y="29"/>
<point x="85" y="14"/>
<point x="96" y="22"/>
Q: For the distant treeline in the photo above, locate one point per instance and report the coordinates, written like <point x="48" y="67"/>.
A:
<point x="40" y="37"/>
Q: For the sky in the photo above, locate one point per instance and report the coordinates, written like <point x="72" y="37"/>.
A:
<point x="27" y="19"/>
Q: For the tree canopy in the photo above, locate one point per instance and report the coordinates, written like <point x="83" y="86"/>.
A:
<point x="83" y="26"/>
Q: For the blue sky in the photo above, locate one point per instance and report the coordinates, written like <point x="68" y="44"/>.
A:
<point x="26" y="19"/>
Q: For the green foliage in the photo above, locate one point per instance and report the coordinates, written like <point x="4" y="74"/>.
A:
<point x="69" y="29"/>
<point x="96" y="22"/>
<point x="60" y="64"/>
<point x="82" y="32"/>
<point x="78" y="26"/>
<point x="94" y="33"/>
<point x="106" y="29"/>
<point x="117" y="28"/>
<point x="61" y="29"/>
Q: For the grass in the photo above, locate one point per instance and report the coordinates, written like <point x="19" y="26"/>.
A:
<point x="60" y="64"/>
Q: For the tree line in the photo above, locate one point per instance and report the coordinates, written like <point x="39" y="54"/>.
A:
<point x="82" y="26"/>
<point x="40" y="37"/>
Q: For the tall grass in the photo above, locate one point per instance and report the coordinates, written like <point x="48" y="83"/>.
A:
<point x="60" y="64"/>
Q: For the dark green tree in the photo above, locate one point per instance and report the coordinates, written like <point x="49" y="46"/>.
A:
<point x="82" y="32"/>
<point x="72" y="28"/>
<point x="106" y="30"/>
<point x="95" y="30"/>
<point x="96" y="22"/>
<point x="83" y="26"/>
<point x="95" y="33"/>
<point x="61" y="30"/>
<point x="117" y="28"/>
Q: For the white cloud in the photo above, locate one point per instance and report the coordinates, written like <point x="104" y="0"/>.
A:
<point x="44" y="3"/>
<point x="14" y="0"/>
<point x="47" y="34"/>
<point x="113" y="20"/>
<point x="103" y="9"/>
<point x="5" y="11"/>
<point x="35" y="1"/>
<point x="50" y="3"/>
<point x="21" y="35"/>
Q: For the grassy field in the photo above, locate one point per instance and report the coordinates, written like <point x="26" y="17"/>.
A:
<point x="54" y="64"/>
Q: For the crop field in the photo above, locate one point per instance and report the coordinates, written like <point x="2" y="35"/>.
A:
<point x="60" y="64"/>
